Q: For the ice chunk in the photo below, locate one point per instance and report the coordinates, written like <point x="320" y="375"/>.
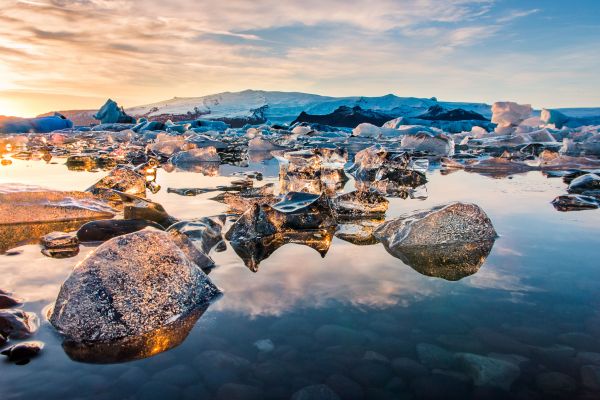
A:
<point x="30" y="204"/>
<point x="553" y="117"/>
<point x="360" y="203"/>
<point x="123" y="179"/>
<point x="193" y="156"/>
<point x="367" y="130"/>
<point x="508" y="114"/>
<point x="440" y="145"/>
<point x="448" y="242"/>
<point x="261" y="144"/>
<point x="110" y="112"/>
<point x="130" y="286"/>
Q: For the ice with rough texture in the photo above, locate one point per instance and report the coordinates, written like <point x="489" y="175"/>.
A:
<point x="31" y="204"/>
<point x="110" y="113"/>
<point x="553" y="117"/>
<point x="40" y="124"/>
<point x="447" y="224"/>
<point x="508" y="114"/>
<point x="360" y="203"/>
<point x="130" y="286"/>
<point x="123" y="179"/>
<point x="449" y="242"/>
<point x="441" y="145"/>
<point x="194" y="156"/>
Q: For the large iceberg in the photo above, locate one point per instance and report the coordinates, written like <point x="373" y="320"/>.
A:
<point x="40" y="125"/>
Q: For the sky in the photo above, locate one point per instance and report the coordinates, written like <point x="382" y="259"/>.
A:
<point x="74" y="54"/>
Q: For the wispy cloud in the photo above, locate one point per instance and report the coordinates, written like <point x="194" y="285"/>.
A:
<point x="516" y="14"/>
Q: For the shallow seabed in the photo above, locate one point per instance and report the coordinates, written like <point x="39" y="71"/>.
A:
<point x="358" y="320"/>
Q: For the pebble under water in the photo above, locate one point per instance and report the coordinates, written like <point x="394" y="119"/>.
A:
<point x="355" y="324"/>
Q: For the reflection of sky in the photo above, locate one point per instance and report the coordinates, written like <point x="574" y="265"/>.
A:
<point x="539" y="248"/>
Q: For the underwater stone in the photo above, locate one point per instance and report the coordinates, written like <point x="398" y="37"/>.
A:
<point x="315" y="392"/>
<point x="488" y="371"/>
<point x="128" y="286"/>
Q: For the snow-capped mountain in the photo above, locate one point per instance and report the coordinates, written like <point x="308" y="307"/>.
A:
<point x="286" y="106"/>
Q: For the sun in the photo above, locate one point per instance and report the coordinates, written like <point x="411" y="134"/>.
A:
<point x="13" y="108"/>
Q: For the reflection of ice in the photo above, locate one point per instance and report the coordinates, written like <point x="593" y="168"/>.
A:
<point x="136" y="347"/>
<point x="447" y="261"/>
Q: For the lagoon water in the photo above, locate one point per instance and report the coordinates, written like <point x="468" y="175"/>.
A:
<point x="358" y="320"/>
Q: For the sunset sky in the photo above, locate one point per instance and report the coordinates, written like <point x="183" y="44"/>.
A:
<point x="73" y="54"/>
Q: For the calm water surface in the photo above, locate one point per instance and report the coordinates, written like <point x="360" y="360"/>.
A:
<point x="353" y="319"/>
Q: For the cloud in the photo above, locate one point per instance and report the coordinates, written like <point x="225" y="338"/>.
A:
<point x="143" y="51"/>
<point x="516" y="14"/>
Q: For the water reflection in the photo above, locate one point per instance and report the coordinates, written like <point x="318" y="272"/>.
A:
<point x="134" y="347"/>
<point x="252" y="252"/>
<point x="204" y="168"/>
<point x="29" y="233"/>
<point x="451" y="262"/>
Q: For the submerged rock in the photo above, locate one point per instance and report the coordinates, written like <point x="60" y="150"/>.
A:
<point x="129" y="286"/>
<point x="451" y="262"/>
<point x="315" y="392"/>
<point x="449" y="242"/>
<point x="488" y="371"/>
<point x="22" y="353"/>
<point x="17" y="324"/>
<point x="103" y="230"/>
